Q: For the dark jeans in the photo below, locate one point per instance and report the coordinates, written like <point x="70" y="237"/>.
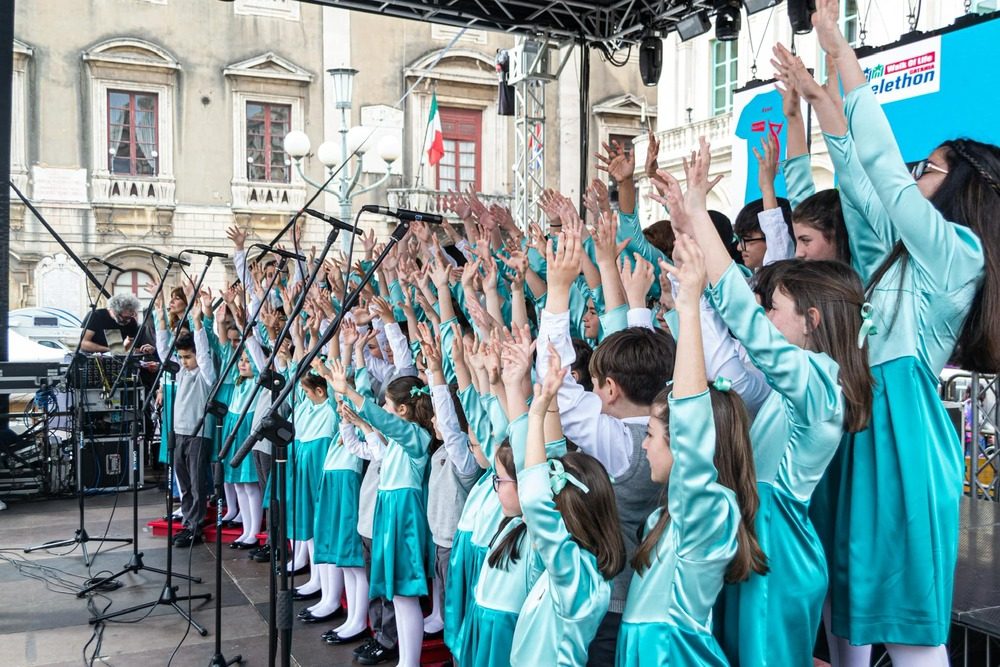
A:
<point x="262" y="464"/>
<point x="381" y="614"/>
<point x="602" y="650"/>
<point x="190" y="461"/>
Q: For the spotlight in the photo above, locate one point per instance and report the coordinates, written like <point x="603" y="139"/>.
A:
<point x="727" y="22"/>
<point x="693" y="25"/>
<point x="650" y="59"/>
<point x="800" y="15"/>
<point x="754" y="6"/>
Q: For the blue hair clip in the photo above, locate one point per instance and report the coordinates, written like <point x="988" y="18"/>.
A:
<point x="723" y="384"/>
<point x="417" y="391"/>
<point x="558" y="478"/>
<point x="867" y="324"/>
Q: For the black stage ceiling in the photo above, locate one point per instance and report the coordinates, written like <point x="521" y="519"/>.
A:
<point x="606" y="24"/>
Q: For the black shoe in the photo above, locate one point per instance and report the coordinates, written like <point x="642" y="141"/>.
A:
<point x="262" y="555"/>
<point x="378" y="654"/>
<point x="187" y="540"/>
<point x="243" y="545"/>
<point x="335" y="640"/>
<point x="184" y="534"/>
<point x="364" y="648"/>
<point x="302" y="597"/>
<point x="307" y="616"/>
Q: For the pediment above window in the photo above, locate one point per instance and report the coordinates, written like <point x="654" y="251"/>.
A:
<point x="131" y="52"/>
<point x="269" y="66"/>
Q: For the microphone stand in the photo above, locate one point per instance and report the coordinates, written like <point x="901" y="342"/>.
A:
<point x="78" y="366"/>
<point x="168" y="594"/>
<point x="136" y="563"/>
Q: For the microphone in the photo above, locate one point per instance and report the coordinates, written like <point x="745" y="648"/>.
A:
<point x="404" y="214"/>
<point x="206" y="253"/>
<point x="277" y="251"/>
<point x="329" y="219"/>
<point x="175" y="260"/>
<point x="108" y="264"/>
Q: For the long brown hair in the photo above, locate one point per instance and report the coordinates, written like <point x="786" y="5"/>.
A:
<point x="420" y="408"/>
<point x="969" y="196"/>
<point x="177" y="292"/>
<point x="734" y="462"/>
<point x="592" y="518"/>
<point x="508" y="550"/>
<point x="835" y="291"/>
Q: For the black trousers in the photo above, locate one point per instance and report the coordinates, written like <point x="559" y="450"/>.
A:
<point x="602" y="650"/>
<point x="381" y="613"/>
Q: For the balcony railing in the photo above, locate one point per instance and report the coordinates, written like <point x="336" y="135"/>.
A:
<point x="433" y="201"/>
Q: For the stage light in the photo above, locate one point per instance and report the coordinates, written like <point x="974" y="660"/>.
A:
<point x="727" y="22"/>
<point x="693" y="25"/>
<point x="800" y="15"/>
<point x="650" y="60"/>
<point x="754" y="6"/>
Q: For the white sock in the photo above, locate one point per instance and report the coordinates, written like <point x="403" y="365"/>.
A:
<point x="333" y="590"/>
<point x="250" y="501"/>
<point x="232" y="502"/>
<point x="356" y="584"/>
<point x="435" y="622"/>
<point x="842" y="653"/>
<point x="917" y="656"/>
<point x="410" y="626"/>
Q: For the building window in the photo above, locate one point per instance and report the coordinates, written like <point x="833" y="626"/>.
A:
<point x="984" y="6"/>
<point x="725" y="56"/>
<point x="134" y="282"/>
<point x="462" y="130"/>
<point x="132" y="133"/>
<point x="267" y="125"/>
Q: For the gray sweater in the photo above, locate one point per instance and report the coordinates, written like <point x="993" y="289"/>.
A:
<point x="447" y="490"/>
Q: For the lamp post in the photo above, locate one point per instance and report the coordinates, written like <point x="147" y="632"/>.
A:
<point x="352" y="142"/>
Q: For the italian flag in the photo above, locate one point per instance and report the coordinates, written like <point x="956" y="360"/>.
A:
<point x="434" y="141"/>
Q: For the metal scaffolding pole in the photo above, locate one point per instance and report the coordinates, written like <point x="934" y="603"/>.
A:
<point x="529" y="149"/>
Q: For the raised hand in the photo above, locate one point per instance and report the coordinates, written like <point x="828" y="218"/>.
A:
<point x="767" y="169"/>
<point x="546" y="392"/>
<point x="349" y="333"/>
<point x="652" y="153"/>
<point x="237" y="236"/>
<point x="430" y="349"/>
<point x="619" y="163"/>
<point x="673" y="198"/>
<point x="368" y="242"/>
<point x="826" y="21"/>
<point x="338" y="377"/>
<point x="605" y="234"/>
<point x="564" y="262"/>
<point x="381" y="309"/>
<point x="516" y="356"/>
<point x="636" y="280"/>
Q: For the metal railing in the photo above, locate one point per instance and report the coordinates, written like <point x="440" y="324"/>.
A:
<point x="433" y="201"/>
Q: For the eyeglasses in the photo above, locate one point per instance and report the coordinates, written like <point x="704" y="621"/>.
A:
<point x="922" y="167"/>
<point x="742" y="241"/>
<point x="498" y="480"/>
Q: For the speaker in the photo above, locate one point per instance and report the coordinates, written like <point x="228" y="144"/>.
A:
<point x="105" y="465"/>
<point x="800" y="15"/>
<point x="650" y="60"/>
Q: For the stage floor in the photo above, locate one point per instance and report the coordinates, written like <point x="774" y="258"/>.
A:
<point x="45" y="625"/>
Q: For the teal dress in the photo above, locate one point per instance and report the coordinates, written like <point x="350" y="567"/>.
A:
<point x="246" y="472"/>
<point x="564" y="608"/>
<point x="401" y="538"/>
<point x="336" y="538"/>
<point x="772" y="620"/>
<point x="488" y="629"/>
<point x="478" y="523"/>
<point x="315" y="424"/>
<point x="895" y="487"/>
<point x="668" y="614"/>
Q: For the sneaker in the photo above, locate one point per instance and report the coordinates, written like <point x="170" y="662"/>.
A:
<point x="379" y="654"/>
<point x="187" y="540"/>
<point x="364" y="648"/>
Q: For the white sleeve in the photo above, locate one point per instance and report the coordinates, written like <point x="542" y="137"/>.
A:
<point x="402" y="357"/>
<point x="779" y="244"/>
<point x="455" y="441"/>
<point x="379" y="369"/>
<point x="464" y="247"/>
<point x="354" y="444"/>
<point x="203" y="353"/>
<point x="162" y="344"/>
<point x="640" y="317"/>
<point x="722" y="359"/>
<point x="553" y="329"/>
<point x="256" y="353"/>
<point x="376" y="445"/>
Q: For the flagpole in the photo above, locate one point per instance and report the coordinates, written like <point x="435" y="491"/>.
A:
<point x="423" y="148"/>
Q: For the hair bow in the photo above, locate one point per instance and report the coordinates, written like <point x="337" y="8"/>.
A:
<point x="418" y="391"/>
<point x="723" y="384"/>
<point x="867" y="324"/>
<point x="558" y="478"/>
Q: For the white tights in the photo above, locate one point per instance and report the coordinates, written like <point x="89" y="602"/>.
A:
<point x="233" y="505"/>
<point x="332" y="584"/>
<point x="356" y="584"/>
<point x="251" y="509"/>
<point x="410" y="627"/>
<point x="435" y="622"/>
<point x="843" y="654"/>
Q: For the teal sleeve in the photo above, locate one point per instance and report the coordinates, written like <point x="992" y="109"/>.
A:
<point x="629" y="228"/>
<point x="807" y="380"/>
<point x="476" y="416"/>
<point x="614" y="320"/>
<point x="597" y="294"/>
<point x="498" y="423"/>
<point x="447" y="357"/>
<point x="798" y="179"/>
<point x="396" y="298"/>
<point x="414" y="440"/>
<point x="517" y="434"/>
<point x="948" y="255"/>
<point x="363" y="383"/>
<point x="702" y="511"/>
<point x="536" y="262"/>
<point x="578" y="294"/>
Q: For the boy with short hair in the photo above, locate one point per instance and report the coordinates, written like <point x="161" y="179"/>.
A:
<point x="194" y="380"/>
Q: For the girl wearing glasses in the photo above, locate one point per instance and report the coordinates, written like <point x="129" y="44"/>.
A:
<point x="928" y="252"/>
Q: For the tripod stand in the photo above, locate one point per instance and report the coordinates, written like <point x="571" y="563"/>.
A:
<point x="81" y="536"/>
<point x="168" y="594"/>
<point x="136" y="563"/>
